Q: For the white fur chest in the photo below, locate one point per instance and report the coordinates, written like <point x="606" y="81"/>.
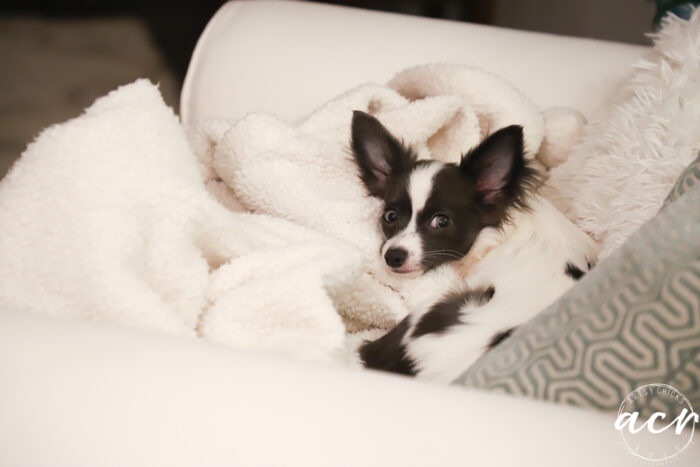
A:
<point x="526" y="263"/>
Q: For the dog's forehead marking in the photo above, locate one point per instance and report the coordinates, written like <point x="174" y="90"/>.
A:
<point x="420" y="185"/>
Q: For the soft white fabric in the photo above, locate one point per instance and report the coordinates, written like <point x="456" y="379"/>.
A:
<point x="563" y="128"/>
<point x="632" y="153"/>
<point x="303" y="171"/>
<point x="106" y="218"/>
<point x="495" y="104"/>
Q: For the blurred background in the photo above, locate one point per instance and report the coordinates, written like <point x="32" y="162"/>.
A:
<point x="57" y="56"/>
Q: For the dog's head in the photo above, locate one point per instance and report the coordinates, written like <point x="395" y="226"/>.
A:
<point x="433" y="211"/>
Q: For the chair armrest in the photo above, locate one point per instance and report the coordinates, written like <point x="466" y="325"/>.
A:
<point x="287" y="58"/>
<point x="85" y="394"/>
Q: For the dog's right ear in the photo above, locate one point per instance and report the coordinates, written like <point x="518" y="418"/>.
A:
<point x="376" y="152"/>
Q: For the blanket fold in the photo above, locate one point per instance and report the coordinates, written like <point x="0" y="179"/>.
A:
<point x="105" y="217"/>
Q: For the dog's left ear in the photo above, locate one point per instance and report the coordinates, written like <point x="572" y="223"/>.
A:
<point x="377" y="153"/>
<point x="497" y="166"/>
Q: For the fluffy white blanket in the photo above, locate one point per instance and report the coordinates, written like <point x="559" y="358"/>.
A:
<point x="105" y="218"/>
<point x="108" y="216"/>
<point x="118" y="216"/>
<point x="303" y="171"/>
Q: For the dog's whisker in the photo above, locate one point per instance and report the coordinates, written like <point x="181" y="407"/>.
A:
<point x="433" y="254"/>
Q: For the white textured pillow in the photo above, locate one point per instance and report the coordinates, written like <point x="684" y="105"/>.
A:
<point x="617" y="177"/>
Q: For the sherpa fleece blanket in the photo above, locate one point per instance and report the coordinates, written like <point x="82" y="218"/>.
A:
<point x="303" y="171"/>
<point x="255" y="233"/>
<point x="116" y="216"/>
<point x="106" y="218"/>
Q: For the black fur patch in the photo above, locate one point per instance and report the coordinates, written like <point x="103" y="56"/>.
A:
<point x="499" y="337"/>
<point x="459" y="194"/>
<point x="573" y="271"/>
<point x="378" y="154"/>
<point x="388" y="353"/>
<point x="512" y="184"/>
<point x="446" y="312"/>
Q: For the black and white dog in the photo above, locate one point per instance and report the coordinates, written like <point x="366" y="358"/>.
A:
<point x="516" y="252"/>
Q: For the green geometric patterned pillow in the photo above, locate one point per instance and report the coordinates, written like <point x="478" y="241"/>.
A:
<point x="633" y="320"/>
<point x="689" y="178"/>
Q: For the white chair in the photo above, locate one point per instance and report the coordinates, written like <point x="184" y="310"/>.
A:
<point x="85" y="394"/>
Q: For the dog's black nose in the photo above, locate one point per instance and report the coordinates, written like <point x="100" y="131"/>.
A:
<point x="395" y="257"/>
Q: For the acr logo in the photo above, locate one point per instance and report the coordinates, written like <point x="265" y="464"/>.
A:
<point x="664" y="434"/>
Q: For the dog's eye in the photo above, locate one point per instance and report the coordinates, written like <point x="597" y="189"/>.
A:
<point x="390" y="216"/>
<point x="439" y="221"/>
